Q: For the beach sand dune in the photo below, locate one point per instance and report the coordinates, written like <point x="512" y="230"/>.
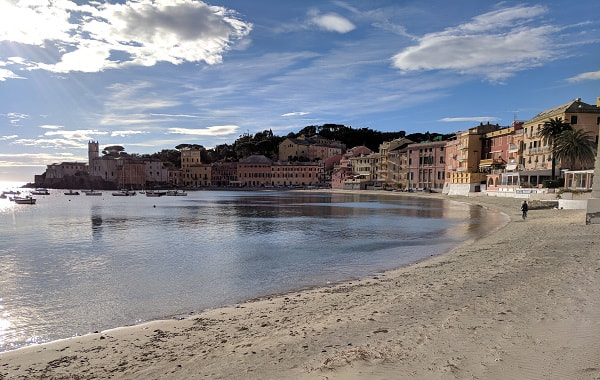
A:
<point x="520" y="303"/>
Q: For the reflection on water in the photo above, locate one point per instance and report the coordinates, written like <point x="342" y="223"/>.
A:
<point x="71" y="265"/>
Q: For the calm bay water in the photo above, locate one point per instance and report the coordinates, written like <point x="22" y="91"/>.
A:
<point x="70" y="265"/>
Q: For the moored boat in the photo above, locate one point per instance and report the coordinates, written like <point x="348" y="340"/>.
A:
<point x="40" y="191"/>
<point x="155" y="193"/>
<point x="27" y="200"/>
<point x="71" y="192"/>
<point x="176" y="193"/>
<point x="124" y="193"/>
<point x="92" y="192"/>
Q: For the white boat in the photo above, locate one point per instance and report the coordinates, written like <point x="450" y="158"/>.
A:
<point x="124" y="193"/>
<point x="71" y="192"/>
<point x="92" y="192"/>
<point x="40" y="191"/>
<point x="176" y="193"/>
<point x="27" y="200"/>
<point x="155" y="193"/>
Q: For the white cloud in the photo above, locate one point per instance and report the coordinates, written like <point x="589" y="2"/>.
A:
<point x="332" y="22"/>
<point x="479" y="119"/>
<point x="5" y="138"/>
<point x="208" y="131"/>
<point x="77" y="135"/>
<point x="295" y="114"/>
<point x="51" y="143"/>
<point x="495" y="45"/>
<point x="590" y="75"/>
<point x="7" y="74"/>
<point x="15" y="117"/>
<point x="47" y="126"/>
<point x="28" y="159"/>
<point x="89" y="38"/>
<point x="126" y="133"/>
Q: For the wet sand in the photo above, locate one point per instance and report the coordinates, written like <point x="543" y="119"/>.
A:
<point x="520" y="303"/>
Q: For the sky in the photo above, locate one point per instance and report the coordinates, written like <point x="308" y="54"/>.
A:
<point x="153" y="74"/>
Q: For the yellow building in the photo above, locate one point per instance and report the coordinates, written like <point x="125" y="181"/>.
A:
<point x="537" y="154"/>
<point x="193" y="171"/>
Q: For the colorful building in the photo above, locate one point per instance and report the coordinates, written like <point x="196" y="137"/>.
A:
<point x="427" y="165"/>
<point x="537" y="153"/>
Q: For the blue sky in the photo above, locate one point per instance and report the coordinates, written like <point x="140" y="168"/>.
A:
<point x="150" y="75"/>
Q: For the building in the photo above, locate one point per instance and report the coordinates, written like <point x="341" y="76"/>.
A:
<point x="364" y="172"/>
<point x="296" y="174"/>
<point x="224" y="174"/>
<point x="462" y="159"/>
<point x="157" y="172"/>
<point x="427" y="165"/>
<point x="309" y="149"/>
<point x="537" y="153"/>
<point x="393" y="164"/>
<point x="254" y="171"/>
<point x="193" y="171"/>
<point x="59" y="171"/>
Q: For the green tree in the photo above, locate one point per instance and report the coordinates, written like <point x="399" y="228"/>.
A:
<point x="549" y="133"/>
<point x="575" y="148"/>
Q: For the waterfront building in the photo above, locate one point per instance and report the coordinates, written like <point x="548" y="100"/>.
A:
<point x="309" y="149"/>
<point x="364" y="172"/>
<point x="427" y="165"/>
<point x="501" y="157"/>
<point x="59" y="171"/>
<point x="537" y="153"/>
<point x="296" y="173"/>
<point x="343" y="169"/>
<point x="193" y="171"/>
<point x="393" y="165"/>
<point x="254" y="171"/>
<point x="157" y="172"/>
<point x="462" y="157"/>
<point x="224" y="174"/>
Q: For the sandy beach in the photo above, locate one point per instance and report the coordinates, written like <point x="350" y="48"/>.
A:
<point x="520" y="303"/>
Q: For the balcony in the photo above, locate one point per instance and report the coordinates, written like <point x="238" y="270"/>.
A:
<point x="491" y="161"/>
<point x="513" y="148"/>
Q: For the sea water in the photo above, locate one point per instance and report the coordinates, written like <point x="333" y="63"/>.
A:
<point x="70" y="265"/>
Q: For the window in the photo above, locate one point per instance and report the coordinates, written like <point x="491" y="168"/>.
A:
<point x="573" y="119"/>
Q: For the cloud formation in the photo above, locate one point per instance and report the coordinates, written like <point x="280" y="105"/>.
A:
<point x="99" y="36"/>
<point x="480" y="119"/>
<point x="332" y="22"/>
<point x="216" y="130"/>
<point x="495" y="45"/>
<point x="590" y="75"/>
<point x="126" y="133"/>
<point x="295" y="114"/>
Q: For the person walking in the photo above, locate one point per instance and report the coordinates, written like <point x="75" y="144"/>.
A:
<point x="524" y="209"/>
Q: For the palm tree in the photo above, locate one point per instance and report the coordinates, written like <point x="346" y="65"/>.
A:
<point x="549" y="132"/>
<point x="575" y="148"/>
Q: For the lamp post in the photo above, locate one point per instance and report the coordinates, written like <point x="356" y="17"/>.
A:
<point x="592" y="215"/>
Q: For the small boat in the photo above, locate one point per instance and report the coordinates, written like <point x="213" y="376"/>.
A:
<point x="40" y="191"/>
<point x="92" y="192"/>
<point x="155" y="193"/>
<point x="176" y="193"/>
<point x="27" y="200"/>
<point x="124" y="193"/>
<point x="11" y="192"/>
<point x="71" y="192"/>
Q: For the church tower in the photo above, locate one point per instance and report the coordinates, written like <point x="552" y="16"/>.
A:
<point x="93" y="152"/>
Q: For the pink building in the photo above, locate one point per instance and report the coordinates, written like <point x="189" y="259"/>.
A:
<point x="426" y="165"/>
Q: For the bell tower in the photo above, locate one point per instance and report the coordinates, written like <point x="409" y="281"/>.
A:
<point x="93" y="151"/>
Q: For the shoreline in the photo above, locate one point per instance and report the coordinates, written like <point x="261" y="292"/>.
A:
<point x="488" y="308"/>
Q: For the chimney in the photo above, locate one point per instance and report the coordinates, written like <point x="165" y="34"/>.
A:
<point x="598" y="101"/>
